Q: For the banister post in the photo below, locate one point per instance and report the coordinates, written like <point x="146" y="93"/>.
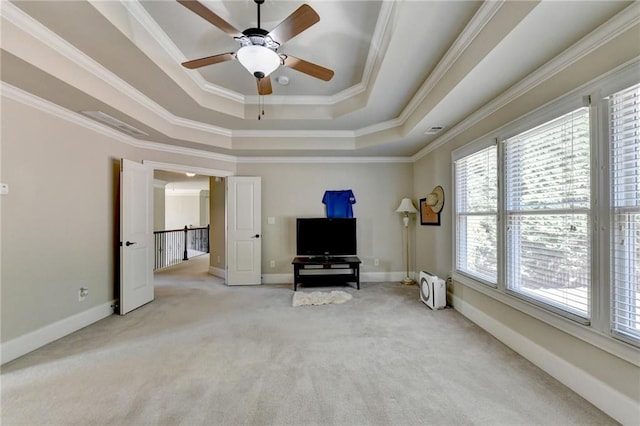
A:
<point x="186" y="256"/>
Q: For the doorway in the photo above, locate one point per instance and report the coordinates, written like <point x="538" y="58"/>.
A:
<point x="181" y="208"/>
<point x="188" y="206"/>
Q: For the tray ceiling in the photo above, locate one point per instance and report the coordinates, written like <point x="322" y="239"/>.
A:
<point x="401" y="68"/>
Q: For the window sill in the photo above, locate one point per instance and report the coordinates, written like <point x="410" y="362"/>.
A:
<point x="600" y="340"/>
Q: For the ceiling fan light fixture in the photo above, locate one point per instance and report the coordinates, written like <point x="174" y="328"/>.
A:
<point x="260" y="61"/>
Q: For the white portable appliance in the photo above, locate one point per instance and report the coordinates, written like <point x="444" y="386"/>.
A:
<point x="433" y="291"/>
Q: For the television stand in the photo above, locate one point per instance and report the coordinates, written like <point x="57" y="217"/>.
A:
<point x="326" y="270"/>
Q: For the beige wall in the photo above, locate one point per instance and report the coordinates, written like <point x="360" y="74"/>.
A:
<point x="59" y="221"/>
<point x="158" y="208"/>
<point x="434" y="244"/>
<point x="296" y="190"/>
<point x="182" y="210"/>
<point x="203" y="208"/>
<point x="217" y="235"/>
<point x="62" y="211"/>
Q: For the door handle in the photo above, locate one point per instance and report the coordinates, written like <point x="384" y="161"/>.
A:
<point x="129" y="243"/>
<point x="256" y="236"/>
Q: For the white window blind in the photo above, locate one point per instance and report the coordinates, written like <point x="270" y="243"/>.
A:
<point x="624" y="139"/>
<point x="547" y="212"/>
<point x="476" y="185"/>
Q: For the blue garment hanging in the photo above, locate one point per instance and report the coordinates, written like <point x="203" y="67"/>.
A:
<point x="339" y="203"/>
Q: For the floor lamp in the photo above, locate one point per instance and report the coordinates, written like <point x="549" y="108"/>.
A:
<point x="406" y="208"/>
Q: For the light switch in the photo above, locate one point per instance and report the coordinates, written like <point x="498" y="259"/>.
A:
<point x="271" y="220"/>
<point x="4" y="188"/>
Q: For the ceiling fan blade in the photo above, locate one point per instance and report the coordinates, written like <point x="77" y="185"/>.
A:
<point x="308" y="68"/>
<point x="294" y="24"/>
<point x="209" y="60"/>
<point x="205" y="13"/>
<point x="264" y="86"/>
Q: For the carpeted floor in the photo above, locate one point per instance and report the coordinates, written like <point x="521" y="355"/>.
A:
<point x="206" y="354"/>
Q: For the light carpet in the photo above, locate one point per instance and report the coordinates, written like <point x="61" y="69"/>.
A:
<point x="204" y="353"/>
<point x="337" y="297"/>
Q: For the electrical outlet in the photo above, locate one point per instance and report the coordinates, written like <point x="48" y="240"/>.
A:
<point x="82" y="293"/>
<point x="272" y="263"/>
<point x="376" y="262"/>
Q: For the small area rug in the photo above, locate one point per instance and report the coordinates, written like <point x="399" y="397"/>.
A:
<point x="301" y="298"/>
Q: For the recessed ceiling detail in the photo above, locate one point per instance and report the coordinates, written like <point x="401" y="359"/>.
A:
<point x="401" y="67"/>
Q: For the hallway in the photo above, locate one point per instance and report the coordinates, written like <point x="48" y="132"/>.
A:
<point x="193" y="273"/>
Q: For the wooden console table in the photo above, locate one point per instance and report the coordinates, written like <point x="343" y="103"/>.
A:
<point x="326" y="270"/>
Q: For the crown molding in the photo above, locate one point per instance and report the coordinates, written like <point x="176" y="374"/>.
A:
<point x="292" y="134"/>
<point x="137" y="11"/>
<point x="35" y="29"/>
<point x="140" y="14"/>
<point x="179" y="168"/>
<point x="323" y="160"/>
<point x="190" y="152"/>
<point x="379" y="127"/>
<point x="31" y="100"/>
<point x="198" y="125"/>
<point x="480" y="20"/>
<point x="328" y="101"/>
<point x="620" y="23"/>
<point x="11" y="92"/>
<point x="48" y="38"/>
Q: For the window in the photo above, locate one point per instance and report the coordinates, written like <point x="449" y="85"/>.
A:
<point x="624" y="140"/>
<point x="476" y="210"/>
<point x="547" y="219"/>
<point x="547" y="213"/>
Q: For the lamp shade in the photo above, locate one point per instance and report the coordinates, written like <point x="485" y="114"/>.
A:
<point x="406" y="206"/>
<point x="260" y="61"/>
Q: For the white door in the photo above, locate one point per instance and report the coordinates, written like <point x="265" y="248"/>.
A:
<point x="136" y="235"/>
<point x="244" y="237"/>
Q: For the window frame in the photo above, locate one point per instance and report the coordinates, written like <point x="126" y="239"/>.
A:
<point x="463" y="153"/>
<point x="598" y="330"/>
<point x="610" y="212"/>
<point x="562" y="110"/>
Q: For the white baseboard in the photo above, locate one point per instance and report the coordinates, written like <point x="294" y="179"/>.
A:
<point x="373" y="277"/>
<point x="370" y="277"/>
<point x="277" y="278"/>
<point x="617" y="405"/>
<point x="218" y="272"/>
<point x="22" y="345"/>
<point x="381" y="277"/>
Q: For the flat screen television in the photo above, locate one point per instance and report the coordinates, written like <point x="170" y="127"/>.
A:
<point x="326" y="237"/>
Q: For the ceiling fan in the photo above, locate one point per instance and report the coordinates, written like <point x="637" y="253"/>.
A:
<point x="258" y="51"/>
